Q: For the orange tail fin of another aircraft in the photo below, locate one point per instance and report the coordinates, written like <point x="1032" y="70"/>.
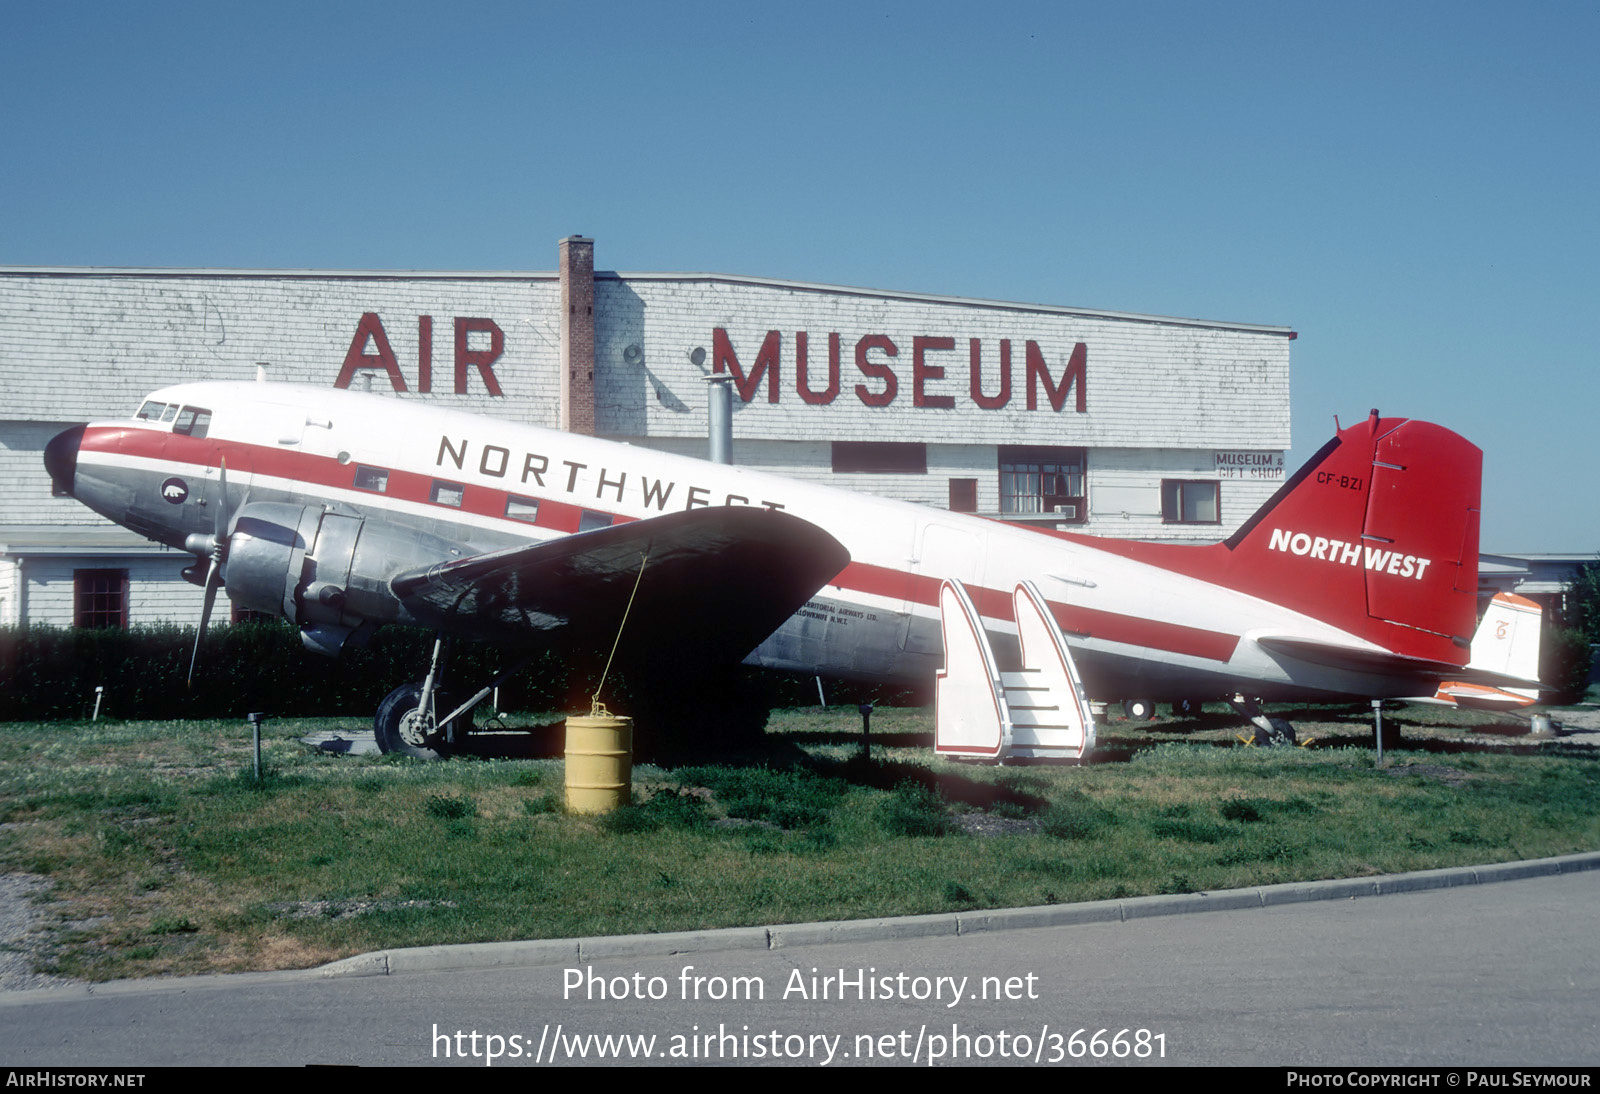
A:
<point x="1507" y="644"/>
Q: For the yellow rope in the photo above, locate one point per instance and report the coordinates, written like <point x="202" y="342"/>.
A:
<point x="597" y="708"/>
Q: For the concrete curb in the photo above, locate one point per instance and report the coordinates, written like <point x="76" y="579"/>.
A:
<point x="571" y="951"/>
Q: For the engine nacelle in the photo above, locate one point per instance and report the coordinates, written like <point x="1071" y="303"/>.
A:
<point x="327" y="571"/>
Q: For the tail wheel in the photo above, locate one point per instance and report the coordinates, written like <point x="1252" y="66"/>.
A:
<point x="1276" y="732"/>
<point x="400" y="726"/>
<point x="1138" y="710"/>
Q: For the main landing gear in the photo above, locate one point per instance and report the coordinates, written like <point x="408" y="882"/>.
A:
<point x="423" y="720"/>
<point x="408" y="725"/>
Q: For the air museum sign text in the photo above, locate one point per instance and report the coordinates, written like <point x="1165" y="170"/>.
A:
<point x="881" y="372"/>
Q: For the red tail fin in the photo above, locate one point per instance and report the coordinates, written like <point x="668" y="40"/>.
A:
<point x="1378" y="535"/>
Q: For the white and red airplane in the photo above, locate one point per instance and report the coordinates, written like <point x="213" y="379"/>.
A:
<point x="342" y="511"/>
<point x="1507" y="642"/>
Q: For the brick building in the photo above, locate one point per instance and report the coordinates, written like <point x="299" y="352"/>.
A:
<point x="1109" y="423"/>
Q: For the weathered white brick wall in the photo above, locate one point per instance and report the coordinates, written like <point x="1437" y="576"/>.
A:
<point x="91" y="345"/>
<point x="1148" y="382"/>
<point x="156" y="591"/>
<point x="24" y="484"/>
<point x="1125" y="493"/>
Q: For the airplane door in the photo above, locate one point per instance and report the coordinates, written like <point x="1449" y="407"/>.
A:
<point x="943" y="552"/>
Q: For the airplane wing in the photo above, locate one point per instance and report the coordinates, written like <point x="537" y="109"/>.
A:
<point x="716" y="582"/>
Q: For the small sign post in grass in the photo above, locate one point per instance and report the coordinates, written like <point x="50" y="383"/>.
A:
<point x="254" y="718"/>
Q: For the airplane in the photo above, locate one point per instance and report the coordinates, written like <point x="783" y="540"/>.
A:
<point x="343" y="511"/>
<point x="1507" y="641"/>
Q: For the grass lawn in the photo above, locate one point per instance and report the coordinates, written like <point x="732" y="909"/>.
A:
<point x="165" y="855"/>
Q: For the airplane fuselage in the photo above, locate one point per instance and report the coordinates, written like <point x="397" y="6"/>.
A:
<point x="402" y="484"/>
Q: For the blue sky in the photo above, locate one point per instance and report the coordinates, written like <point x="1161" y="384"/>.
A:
<point x="1414" y="188"/>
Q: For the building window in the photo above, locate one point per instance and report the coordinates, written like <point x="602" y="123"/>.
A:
<point x="880" y="457"/>
<point x="1043" y="479"/>
<point x="1189" y="501"/>
<point x="963" y="495"/>
<point x="100" y="598"/>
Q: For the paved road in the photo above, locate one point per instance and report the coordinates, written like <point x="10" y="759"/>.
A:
<point x="1494" y="974"/>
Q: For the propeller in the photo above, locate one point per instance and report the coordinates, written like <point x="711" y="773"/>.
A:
<point x="214" y="547"/>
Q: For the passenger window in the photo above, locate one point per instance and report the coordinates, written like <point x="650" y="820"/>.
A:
<point x="375" y="479"/>
<point x="523" y="509"/>
<point x="448" y="493"/>
<point x="592" y="519"/>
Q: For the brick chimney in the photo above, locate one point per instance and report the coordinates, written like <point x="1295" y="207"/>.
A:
<point x="577" y="335"/>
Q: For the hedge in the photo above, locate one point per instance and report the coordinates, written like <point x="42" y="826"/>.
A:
<point x="50" y="674"/>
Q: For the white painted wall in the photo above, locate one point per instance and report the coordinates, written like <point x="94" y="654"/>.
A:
<point x="156" y="592"/>
<point x="10" y="592"/>
<point x="24" y="484"/>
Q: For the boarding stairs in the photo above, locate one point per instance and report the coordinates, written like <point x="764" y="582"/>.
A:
<point x="1038" y="712"/>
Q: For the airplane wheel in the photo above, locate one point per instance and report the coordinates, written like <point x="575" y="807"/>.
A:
<point x="399" y="729"/>
<point x="1279" y="733"/>
<point x="1138" y="710"/>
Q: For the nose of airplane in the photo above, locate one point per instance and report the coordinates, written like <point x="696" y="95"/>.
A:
<point x="61" y="457"/>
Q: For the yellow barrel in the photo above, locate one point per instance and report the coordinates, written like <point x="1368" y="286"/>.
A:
<point x="599" y="762"/>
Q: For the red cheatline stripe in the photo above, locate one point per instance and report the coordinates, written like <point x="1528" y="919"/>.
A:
<point x="1149" y="633"/>
<point x="563" y="516"/>
<point x="1074" y="620"/>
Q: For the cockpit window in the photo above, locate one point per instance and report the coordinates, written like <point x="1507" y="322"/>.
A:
<point x="193" y="421"/>
<point x="170" y="413"/>
<point x="151" y="411"/>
